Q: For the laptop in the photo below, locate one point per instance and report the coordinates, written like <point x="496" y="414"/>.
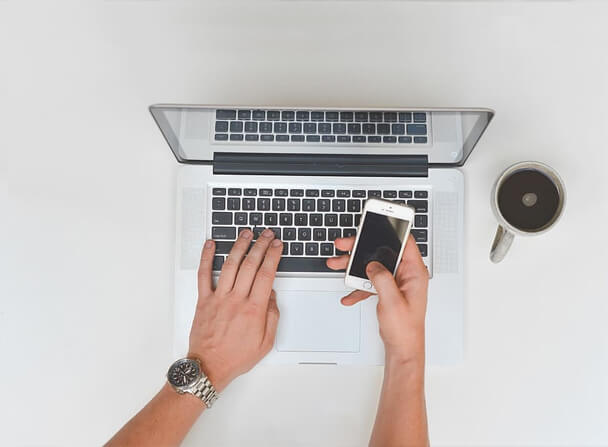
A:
<point x="305" y="172"/>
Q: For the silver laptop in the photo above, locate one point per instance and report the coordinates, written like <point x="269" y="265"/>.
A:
<point x="306" y="172"/>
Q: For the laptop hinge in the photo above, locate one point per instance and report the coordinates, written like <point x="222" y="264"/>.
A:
<point x="320" y="164"/>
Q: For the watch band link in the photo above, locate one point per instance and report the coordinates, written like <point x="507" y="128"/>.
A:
<point x="205" y="391"/>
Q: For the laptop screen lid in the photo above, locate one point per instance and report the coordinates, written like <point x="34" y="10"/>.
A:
<point x="452" y="134"/>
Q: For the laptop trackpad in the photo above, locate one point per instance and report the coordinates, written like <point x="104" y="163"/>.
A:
<point x="316" y="321"/>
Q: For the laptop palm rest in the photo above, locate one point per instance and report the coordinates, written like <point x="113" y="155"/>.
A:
<point x="315" y="321"/>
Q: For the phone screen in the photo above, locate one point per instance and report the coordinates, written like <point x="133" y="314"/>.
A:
<point x="380" y="240"/>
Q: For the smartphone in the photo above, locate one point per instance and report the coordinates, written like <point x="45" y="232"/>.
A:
<point x="382" y="235"/>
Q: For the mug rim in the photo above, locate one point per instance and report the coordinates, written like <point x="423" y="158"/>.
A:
<point x="545" y="169"/>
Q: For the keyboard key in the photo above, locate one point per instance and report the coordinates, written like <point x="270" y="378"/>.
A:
<point x="276" y="231"/>
<point x="359" y="139"/>
<point x="285" y="219"/>
<point x="359" y="193"/>
<point x="390" y="117"/>
<point x="265" y="192"/>
<point x="374" y="139"/>
<point x="296" y="192"/>
<point x="333" y="234"/>
<point x="221" y="137"/>
<point x="338" y="205"/>
<point x="282" y="137"/>
<point x="280" y="127"/>
<point x="240" y="218"/>
<point x="285" y="249"/>
<point x="241" y="229"/>
<point x="389" y="194"/>
<point x="293" y="204"/>
<point x="310" y="128"/>
<point x="339" y="128"/>
<point x="421" y="194"/>
<point x="304" y="234"/>
<point x="304" y="264"/>
<point x="420" y="117"/>
<point x="331" y="116"/>
<point x="357" y="219"/>
<point x="313" y="138"/>
<point x="400" y="202"/>
<point x="319" y="234"/>
<point x="405" y="117"/>
<point x="398" y="129"/>
<point x="423" y="250"/>
<point x="236" y="137"/>
<point x="354" y="128"/>
<point x="223" y="232"/>
<point x="278" y="204"/>
<point x="266" y="127"/>
<point x="421" y="206"/>
<point x="244" y="114"/>
<point x="361" y="117"/>
<point x="405" y="194"/>
<point x="317" y="116"/>
<point x="219" y="191"/>
<point x="257" y="231"/>
<point x="346" y="116"/>
<point x="270" y="219"/>
<point x="223" y="247"/>
<point x="327" y="249"/>
<point x="251" y="192"/>
<point x="420" y="140"/>
<point x="263" y="204"/>
<point x="340" y="252"/>
<point x="295" y="127"/>
<point x="259" y="115"/>
<point x="383" y="129"/>
<point x="312" y="193"/>
<point x="405" y="139"/>
<point x="221" y="126"/>
<point x="236" y="126"/>
<point x="289" y="234"/>
<point x="343" y="193"/>
<point x="296" y="248"/>
<point x="419" y="235"/>
<point x="348" y="232"/>
<point x="328" y="139"/>
<point x="353" y="205"/>
<point x="300" y="219"/>
<point x="255" y="219"/>
<point x="343" y="139"/>
<point x="302" y="116"/>
<point x="297" y="138"/>
<point x="416" y="129"/>
<point x="324" y="128"/>
<point x="375" y="117"/>
<point x="331" y="220"/>
<point x="252" y="137"/>
<point x="389" y="139"/>
<point x="316" y="219"/>
<point x="288" y="115"/>
<point x="281" y="192"/>
<point x="323" y="205"/>
<point x="308" y="205"/>
<point x="220" y="218"/>
<point x="234" y="191"/>
<point x="218" y="262"/>
<point x="421" y="220"/>
<point x="234" y="203"/>
<point x="374" y="193"/>
<point x="273" y="115"/>
<point x="346" y="220"/>
<point x="266" y="137"/>
<point x="218" y="203"/>
<point x="225" y="114"/>
<point x="248" y="203"/>
<point x="328" y="193"/>
<point x="369" y="129"/>
<point x="312" y="249"/>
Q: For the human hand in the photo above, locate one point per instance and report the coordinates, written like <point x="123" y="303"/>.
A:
<point x="401" y="300"/>
<point x="235" y="325"/>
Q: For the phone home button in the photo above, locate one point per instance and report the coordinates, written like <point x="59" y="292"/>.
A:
<point x="367" y="285"/>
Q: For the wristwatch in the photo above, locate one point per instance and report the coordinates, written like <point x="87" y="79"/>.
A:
<point x="186" y="376"/>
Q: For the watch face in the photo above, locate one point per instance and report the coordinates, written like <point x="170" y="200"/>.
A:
<point x="184" y="373"/>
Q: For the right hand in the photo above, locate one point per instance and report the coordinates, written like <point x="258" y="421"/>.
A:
<point x="401" y="300"/>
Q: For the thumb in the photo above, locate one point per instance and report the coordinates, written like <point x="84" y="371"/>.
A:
<point x="383" y="281"/>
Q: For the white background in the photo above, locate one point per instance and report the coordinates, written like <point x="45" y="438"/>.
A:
<point x="88" y="190"/>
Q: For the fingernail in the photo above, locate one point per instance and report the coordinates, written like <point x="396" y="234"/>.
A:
<point x="209" y="243"/>
<point x="246" y="234"/>
<point x="373" y="266"/>
<point x="276" y="243"/>
<point x="267" y="233"/>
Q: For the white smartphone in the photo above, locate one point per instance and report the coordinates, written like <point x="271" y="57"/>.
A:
<point x="381" y="236"/>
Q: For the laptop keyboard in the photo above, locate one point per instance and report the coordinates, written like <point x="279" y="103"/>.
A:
<point x="306" y="220"/>
<point x="326" y="127"/>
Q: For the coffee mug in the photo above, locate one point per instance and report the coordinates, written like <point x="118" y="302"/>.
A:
<point x="527" y="199"/>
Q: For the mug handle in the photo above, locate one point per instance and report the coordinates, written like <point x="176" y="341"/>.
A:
<point x="502" y="243"/>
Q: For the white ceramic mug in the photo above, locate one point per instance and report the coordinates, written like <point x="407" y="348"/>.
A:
<point x="525" y="204"/>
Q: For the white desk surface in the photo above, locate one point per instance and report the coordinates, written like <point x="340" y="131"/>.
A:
<point x="86" y="297"/>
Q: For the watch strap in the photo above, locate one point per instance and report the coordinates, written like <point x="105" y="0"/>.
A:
<point x="205" y="391"/>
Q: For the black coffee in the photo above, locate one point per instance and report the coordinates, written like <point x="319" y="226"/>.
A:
<point x="528" y="200"/>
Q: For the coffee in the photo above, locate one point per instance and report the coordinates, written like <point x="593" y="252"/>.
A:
<point x="528" y="200"/>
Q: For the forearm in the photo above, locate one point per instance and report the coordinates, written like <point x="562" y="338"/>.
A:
<point x="165" y="421"/>
<point x="401" y="418"/>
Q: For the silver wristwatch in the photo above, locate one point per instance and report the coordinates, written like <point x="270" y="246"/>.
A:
<point x="186" y="376"/>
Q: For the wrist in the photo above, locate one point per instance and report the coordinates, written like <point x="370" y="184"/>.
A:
<point x="218" y="378"/>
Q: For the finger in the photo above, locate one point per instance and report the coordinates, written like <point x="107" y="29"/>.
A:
<point x="233" y="261"/>
<point x="384" y="283"/>
<point x="345" y="243"/>
<point x="338" y="262"/>
<point x="272" y="321"/>
<point x="411" y="253"/>
<point x="252" y="263"/>
<point x="262" y="284"/>
<point x="354" y="297"/>
<point x="205" y="283"/>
